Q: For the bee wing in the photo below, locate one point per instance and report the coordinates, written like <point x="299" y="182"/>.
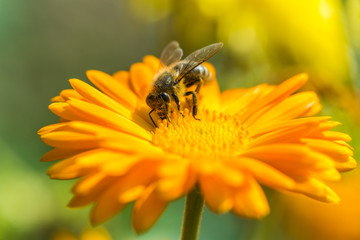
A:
<point x="198" y="57"/>
<point x="171" y="53"/>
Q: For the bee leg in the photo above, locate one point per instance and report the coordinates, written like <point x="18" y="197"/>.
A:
<point x="197" y="90"/>
<point x="151" y="117"/>
<point x="194" y="110"/>
<point x="176" y="99"/>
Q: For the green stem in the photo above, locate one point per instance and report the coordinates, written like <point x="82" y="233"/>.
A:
<point x="193" y="209"/>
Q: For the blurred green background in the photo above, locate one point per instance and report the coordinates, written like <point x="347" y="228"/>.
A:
<point x="45" y="42"/>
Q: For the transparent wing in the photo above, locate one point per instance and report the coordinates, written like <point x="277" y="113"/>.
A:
<point x="171" y="53"/>
<point x="198" y="57"/>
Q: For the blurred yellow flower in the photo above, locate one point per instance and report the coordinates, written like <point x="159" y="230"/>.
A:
<point x="88" y="234"/>
<point x="264" y="135"/>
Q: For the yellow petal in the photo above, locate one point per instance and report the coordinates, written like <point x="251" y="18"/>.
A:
<point x="152" y="62"/>
<point x="285" y="135"/>
<point x="332" y="149"/>
<point x="96" y="97"/>
<point x="63" y="110"/>
<point x="176" y="179"/>
<point x="147" y="209"/>
<point x="70" y="93"/>
<point x="113" y="88"/>
<point x="123" y="77"/>
<point x="218" y="196"/>
<point x="293" y="123"/>
<point x="264" y="173"/>
<point x="106" y="206"/>
<point x="291" y="108"/>
<point x="277" y="95"/>
<point x="209" y="97"/>
<point x="295" y="160"/>
<point x="141" y="78"/>
<point x="70" y="140"/>
<point x="250" y="200"/>
<point x="59" y="153"/>
<point x="316" y="189"/>
<point x="102" y="116"/>
<point x="237" y="100"/>
<point x="346" y="166"/>
<point x="65" y="169"/>
<point x="89" y="183"/>
<point x="50" y="128"/>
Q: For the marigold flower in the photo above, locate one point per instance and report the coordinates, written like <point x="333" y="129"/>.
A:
<point x="245" y="137"/>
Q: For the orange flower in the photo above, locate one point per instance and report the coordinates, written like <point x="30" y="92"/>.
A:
<point x="264" y="135"/>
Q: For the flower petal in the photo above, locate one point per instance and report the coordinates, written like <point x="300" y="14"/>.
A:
<point x="209" y="97"/>
<point x="316" y="189"/>
<point x="113" y="88"/>
<point x="96" y="97"/>
<point x="292" y="107"/>
<point x="218" y="195"/>
<point x="250" y="200"/>
<point x="237" y="100"/>
<point x="279" y="93"/>
<point x="106" y="206"/>
<point x="59" y="153"/>
<point x="147" y="210"/>
<point x="141" y="78"/>
<point x="264" y="173"/>
<point x="104" y="117"/>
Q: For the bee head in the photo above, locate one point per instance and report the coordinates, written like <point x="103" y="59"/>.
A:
<point x="157" y="101"/>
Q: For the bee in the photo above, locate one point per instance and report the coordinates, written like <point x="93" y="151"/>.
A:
<point x="175" y="76"/>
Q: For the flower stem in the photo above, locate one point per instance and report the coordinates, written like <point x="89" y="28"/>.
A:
<point x="193" y="209"/>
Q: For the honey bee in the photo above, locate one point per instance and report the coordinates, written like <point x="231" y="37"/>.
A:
<point x="175" y="76"/>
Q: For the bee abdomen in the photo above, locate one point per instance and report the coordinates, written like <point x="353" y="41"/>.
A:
<point x="203" y="73"/>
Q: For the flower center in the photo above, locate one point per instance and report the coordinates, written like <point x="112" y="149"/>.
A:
<point x="216" y="136"/>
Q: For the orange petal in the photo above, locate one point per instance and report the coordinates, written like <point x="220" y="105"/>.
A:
<point x="237" y="100"/>
<point x="291" y="108"/>
<point x="63" y="110"/>
<point x="293" y="123"/>
<point x="209" y="97"/>
<point x="295" y="160"/>
<point x="59" y="153"/>
<point x="147" y="210"/>
<point x="102" y="116"/>
<point x="106" y="206"/>
<point x="113" y="88"/>
<point x="176" y="179"/>
<point x="70" y="93"/>
<point x="346" y="166"/>
<point x="335" y="151"/>
<point x="316" y="189"/>
<point x="285" y="135"/>
<point x="279" y="93"/>
<point x="250" y="200"/>
<point x="70" y="140"/>
<point x="66" y="169"/>
<point x="264" y="173"/>
<point x="152" y="62"/>
<point x="141" y="78"/>
<point x="50" y="128"/>
<point x="100" y="99"/>
<point x="218" y="196"/>
<point x="123" y="77"/>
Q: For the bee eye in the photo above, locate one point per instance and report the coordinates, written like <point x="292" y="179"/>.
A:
<point x="165" y="97"/>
